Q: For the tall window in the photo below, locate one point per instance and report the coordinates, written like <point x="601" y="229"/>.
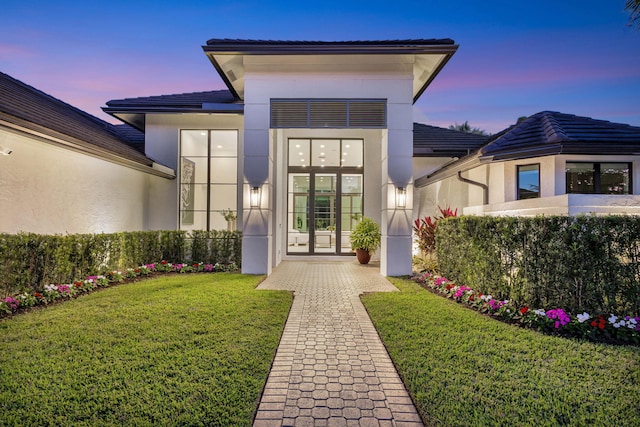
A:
<point x="598" y="178"/>
<point x="208" y="178"/>
<point x="528" y="181"/>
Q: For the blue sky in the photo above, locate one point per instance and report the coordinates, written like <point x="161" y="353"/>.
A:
<point x="515" y="58"/>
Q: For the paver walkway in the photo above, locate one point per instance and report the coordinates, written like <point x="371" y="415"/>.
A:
<point x="331" y="368"/>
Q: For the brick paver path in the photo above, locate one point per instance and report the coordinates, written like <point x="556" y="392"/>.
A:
<point x="331" y="368"/>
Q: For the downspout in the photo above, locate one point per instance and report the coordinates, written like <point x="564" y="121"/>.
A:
<point x="485" y="187"/>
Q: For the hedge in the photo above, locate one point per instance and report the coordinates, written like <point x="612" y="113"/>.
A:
<point x="28" y="261"/>
<point x="584" y="263"/>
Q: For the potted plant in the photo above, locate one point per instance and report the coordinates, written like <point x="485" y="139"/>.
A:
<point x="365" y="239"/>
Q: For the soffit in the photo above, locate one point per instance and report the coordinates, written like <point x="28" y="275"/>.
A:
<point x="422" y="58"/>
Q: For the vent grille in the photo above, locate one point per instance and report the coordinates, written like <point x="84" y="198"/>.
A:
<point x="329" y="113"/>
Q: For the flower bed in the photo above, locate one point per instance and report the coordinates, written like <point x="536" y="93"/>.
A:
<point x="610" y="328"/>
<point x="54" y="293"/>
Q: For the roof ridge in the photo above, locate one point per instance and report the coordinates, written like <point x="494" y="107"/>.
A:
<point x="553" y="131"/>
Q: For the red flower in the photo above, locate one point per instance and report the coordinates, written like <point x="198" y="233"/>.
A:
<point x="593" y="323"/>
<point x="601" y="325"/>
<point x="471" y="297"/>
<point x="196" y="265"/>
<point x="37" y="295"/>
<point x="523" y="310"/>
<point x="163" y="262"/>
<point x="450" y="285"/>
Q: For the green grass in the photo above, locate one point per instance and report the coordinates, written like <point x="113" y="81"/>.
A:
<point x="465" y="369"/>
<point x="180" y="350"/>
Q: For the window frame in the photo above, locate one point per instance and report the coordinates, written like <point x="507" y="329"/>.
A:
<point x="518" y="193"/>
<point x="597" y="178"/>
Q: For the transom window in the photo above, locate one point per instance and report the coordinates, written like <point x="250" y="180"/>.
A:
<point x="598" y="178"/>
<point x="325" y="153"/>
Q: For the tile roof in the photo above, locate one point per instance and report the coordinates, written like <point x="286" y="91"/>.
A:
<point x="194" y="100"/>
<point x="319" y="43"/>
<point x="26" y="108"/>
<point x="432" y="141"/>
<point x="133" y="110"/>
<point x="550" y="132"/>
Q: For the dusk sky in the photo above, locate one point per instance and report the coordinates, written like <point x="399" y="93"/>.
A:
<point x="515" y="58"/>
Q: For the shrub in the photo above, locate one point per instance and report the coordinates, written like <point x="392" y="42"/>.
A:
<point x="584" y="263"/>
<point x="29" y="262"/>
<point x="425" y="230"/>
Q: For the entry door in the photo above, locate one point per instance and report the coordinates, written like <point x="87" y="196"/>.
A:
<point x="323" y="209"/>
<point x="326" y="224"/>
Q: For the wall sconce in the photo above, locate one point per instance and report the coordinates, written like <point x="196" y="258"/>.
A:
<point x="401" y="197"/>
<point x="255" y="197"/>
<point x="5" y="151"/>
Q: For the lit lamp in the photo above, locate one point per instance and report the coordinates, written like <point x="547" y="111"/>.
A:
<point x="401" y="197"/>
<point x="255" y="197"/>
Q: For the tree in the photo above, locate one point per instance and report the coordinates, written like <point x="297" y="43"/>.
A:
<point x="633" y="6"/>
<point x="466" y="127"/>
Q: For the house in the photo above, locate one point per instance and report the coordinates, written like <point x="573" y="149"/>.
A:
<point x="548" y="164"/>
<point x="65" y="171"/>
<point x="308" y="138"/>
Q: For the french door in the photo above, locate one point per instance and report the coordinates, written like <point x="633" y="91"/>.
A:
<point x="323" y="209"/>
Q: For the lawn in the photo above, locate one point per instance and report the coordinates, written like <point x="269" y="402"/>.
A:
<point x="178" y="350"/>
<point x="465" y="369"/>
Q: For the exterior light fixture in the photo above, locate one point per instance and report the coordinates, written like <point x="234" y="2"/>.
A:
<point x="401" y="197"/>
<point x="255" y="197"/>
<point x="5" y="151"/>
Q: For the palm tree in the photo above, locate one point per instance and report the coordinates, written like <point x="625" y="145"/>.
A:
<point x="633" y="6"/>
<point x="466" y="127"/>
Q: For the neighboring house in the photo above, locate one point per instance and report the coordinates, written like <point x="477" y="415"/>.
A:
<point x="548" y="164"/>
<point x="65" y="171"/>
<point x="308" y="138"/>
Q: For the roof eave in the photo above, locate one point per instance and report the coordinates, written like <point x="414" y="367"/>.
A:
<point x="54" y="138"/>
<point x="435" y="72"/>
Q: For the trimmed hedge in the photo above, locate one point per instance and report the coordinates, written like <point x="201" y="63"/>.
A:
<point x="28" y="261"/>
<point x="584" y="263"/>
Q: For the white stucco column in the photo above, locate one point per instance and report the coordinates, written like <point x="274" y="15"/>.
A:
<point x="256" y="232"/>
<point x="397" y="167"/>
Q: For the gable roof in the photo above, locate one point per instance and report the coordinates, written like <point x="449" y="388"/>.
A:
<point x="432" y="141"/>
<point x="549" y="132"/>
<point x="430" y="55"/>
<point x="133" y="110"/>
<point x="30" y="111"/>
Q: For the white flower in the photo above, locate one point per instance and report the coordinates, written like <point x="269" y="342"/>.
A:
<point x="540" y="312"/>
<point x="583" y="317"/>
<point x="616" y="325"/>
<point x="613" y="319"/>
<point x="631" y="321"/>
<point x="51" y="288"/>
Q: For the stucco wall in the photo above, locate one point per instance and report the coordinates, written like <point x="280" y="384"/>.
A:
<point x="46" y="189"/>
<point x="502" y="180"/>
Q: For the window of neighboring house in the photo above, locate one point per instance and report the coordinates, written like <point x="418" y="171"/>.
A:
<point x="528" y="181"/>
<point x="208" y="179"/>
<point x="598" y="178"/>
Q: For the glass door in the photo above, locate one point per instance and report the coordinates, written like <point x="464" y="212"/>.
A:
<point x="325" y="221"/>
<point x="324" y="201"/>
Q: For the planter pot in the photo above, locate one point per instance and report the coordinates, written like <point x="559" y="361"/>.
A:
<point x="363" y="256"/>
<point x="231" y="225"/>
